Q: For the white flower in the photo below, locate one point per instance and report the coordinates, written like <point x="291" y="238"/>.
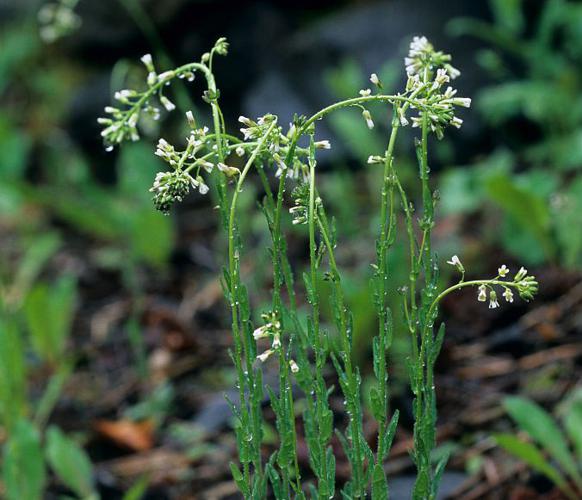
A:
<point x="152" y="78"/>
<point x="169" y="105"/>
<point x="276" y="342"/>
<point x="455" y="261"/>
<point x="206" y="165"/>
<point x="148" y="61"/>
<point x="520" y="274"/>
<point x="293" y="366"/>
<point x="402" y="118"/>
<point x="374" y="159"/>
<point x="264" y="356"/>
<point x="508" y="295"/>
<point x="454" y="72"/>
<point x="493" y="302"/>
<point x="368" y="117"/>
<point x="465" y="102"/>
<point x="456" y="122"/>
<point x="190" y="118"/>
<point x="482" y="297"/>
<point x="240" y="151"/>
<point x="365" y="93"/>
<point x="166" y="75"/>
<point x="261" y="332"/>
<point x="245" y="121"/>
<point x="419" y="45"/>
<point x="374" y="79"/>
<point x="228" y="171"/>
<point x="420" y="49"/>
<point x="440" y="78"/>
<point x="322" y="144"/>
<point x="502" y="271"/>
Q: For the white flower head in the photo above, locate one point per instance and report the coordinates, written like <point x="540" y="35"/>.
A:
<point x="493" y="302"/>
<point x="482" y="297"/>
<point x="455" y="261"/>
<point x="508" y="295"/>
<point x="464" y="102"/>
<point x="322" y="144"/>
<point x="365" y="92"/>
<point x="148" y="61"/>
<point x="520" y="274"/>
<point x="169" y="105"/>
<point x="265" y="355"/>
<point x="368" y="117"/>
<point x="503" y="271"/>
<point x="228" y="171"/>
<point x="190" y="118"/>
<point x="240" y="151"/>
<point x="293" y="365"/>
<point x="418" y="55"/>
<point x="375" y="159"/>
<point x="166" y="75"/>
<point x="374" y="79"/>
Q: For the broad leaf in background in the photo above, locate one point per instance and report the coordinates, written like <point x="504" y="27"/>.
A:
<point x="12" y="374"/>
<point x="543" y="429"/>
<point x="49" y="313"/>
<point x="23" y="470"/>
<point x="524" y="207"/>
<point x="531" y="456"/>
<point x="70" y="463"/>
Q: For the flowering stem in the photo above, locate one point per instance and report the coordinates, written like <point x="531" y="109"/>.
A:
<point x="242" y="347"/>
<point x="351" y="382"/>
<point x="385" y="332"/>
<point x="464" y="284"/>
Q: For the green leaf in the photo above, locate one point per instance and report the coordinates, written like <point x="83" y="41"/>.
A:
<point x="379" y="483"/>
<point x="151" y="236"/>
<point x="138" y="490"/>
<point x="49" y="313"/>
<point x="14" y="150"/>
<point x="531" y="456"/>
<point x="40" y="250"/>
<point x="438" y="474"/>
<point x="543" y="429"/>
<point x="573" y="424"/>
<point x="69" y="462"/>
<point x="239" y="480"/>
<point x="530" y="211"/>
<point x="12" y="374"/>
<point x="23" y="469"/>
<point x="508" y="15"/>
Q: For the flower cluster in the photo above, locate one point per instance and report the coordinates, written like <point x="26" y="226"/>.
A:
<point x="526" y="285"/>
<point x="428" y="73"/>
<point x="169" y="188"/>
<point x="422" y="58"/>
<point x="122" y="120"/>
<point x="300" y="210"/>
<point x="278" y="144"/>
<point x="58" y="19"/>
<point x="271" y="329"/>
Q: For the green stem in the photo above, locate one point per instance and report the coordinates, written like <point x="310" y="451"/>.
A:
<point x="345" y="338"/>
<point x="387" y="223"/>
<point x="240" y="343"/>
<point x="318" y="350"/>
